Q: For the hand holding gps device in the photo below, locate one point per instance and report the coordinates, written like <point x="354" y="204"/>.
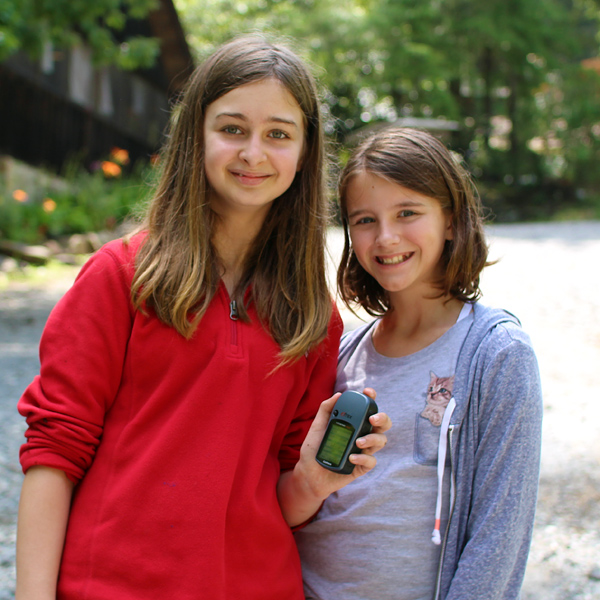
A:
<point x="349" y="420"/>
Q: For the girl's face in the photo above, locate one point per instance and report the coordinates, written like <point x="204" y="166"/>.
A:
<point x="398" y="235"/>
<point x="253" y="144"/>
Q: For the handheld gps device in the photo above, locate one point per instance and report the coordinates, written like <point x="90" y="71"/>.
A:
<point x="349" y="420"/>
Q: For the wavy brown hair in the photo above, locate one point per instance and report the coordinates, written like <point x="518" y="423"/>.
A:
<point x="177" y="268"/>
<point x="418" y="161"/>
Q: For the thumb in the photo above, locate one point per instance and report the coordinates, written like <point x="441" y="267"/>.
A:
<point x="317" y="429"/>
<point x="325" y="409"/>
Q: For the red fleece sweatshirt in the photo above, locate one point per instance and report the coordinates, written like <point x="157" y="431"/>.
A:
<point x="176" y="445"/>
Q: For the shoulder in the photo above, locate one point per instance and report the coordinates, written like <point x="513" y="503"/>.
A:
<point x="115" y="257"/>
<point x="106" y="276"/>
<point x="330" y="344"/>
<point x="350" y="341"/>
<point x="335" y="329"/>
<point x="495" y="330"/>
<point x="500" y="355"/>
<point x="498" y="375"/>
<point x="496" y="351"/>
<point x="123" y="250"/>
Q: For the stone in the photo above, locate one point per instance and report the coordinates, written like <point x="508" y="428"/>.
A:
<point x="8" y="264"/>
<point x="54" y="247"/>
<point x="79" y="244"/>
<point x="594" y="574"/>
<point x="36" y="255"/>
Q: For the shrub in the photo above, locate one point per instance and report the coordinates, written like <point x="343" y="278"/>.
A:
<point x="89" y="201"/>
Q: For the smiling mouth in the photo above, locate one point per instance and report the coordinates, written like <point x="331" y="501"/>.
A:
<point x="250" y="176"/>
<point x="393" y="260"/>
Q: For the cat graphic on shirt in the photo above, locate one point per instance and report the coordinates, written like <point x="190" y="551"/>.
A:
<point x="439" y="393"/>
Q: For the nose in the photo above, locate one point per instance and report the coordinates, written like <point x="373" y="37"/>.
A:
<point x="252" y="151"/>
<point x="387" y="235"/>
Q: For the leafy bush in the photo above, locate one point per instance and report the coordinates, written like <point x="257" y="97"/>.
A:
<point x="94" y="201"/>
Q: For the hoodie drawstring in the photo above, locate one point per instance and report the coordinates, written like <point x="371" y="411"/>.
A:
<point x="441" y="466"/>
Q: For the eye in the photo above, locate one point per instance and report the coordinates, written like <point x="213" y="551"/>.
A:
<point x="407" y="213"/>
<point x="364" y="221"/>
<point x="279" y="135"/>
<point x="232" y="129"/>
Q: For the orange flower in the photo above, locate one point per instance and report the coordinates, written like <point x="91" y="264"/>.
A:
<point x="20" y="195"/>
<point x="49" y="205"/>
<point x="119" y="155"/>
<point x="110" y="169"/>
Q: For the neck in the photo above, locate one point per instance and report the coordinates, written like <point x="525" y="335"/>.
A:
<point x="232" y="238"/>
<point x="412" y="324"/>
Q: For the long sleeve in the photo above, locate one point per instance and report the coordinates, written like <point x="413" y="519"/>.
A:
<point x="507" y="429"/>
<point x="82" y="352"/>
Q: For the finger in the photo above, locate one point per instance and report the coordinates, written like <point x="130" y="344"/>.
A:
<point x="331" y="401"/>
<point x="372" y="443"/>
<point x="365" y="461"/>
<point x="318" y="426"/>
<point x="326" y="407"/>
<point x="370" y="392"/>
<point x="380" y="422"/>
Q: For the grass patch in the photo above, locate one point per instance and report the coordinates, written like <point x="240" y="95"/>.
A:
<point x="54" y="274"/>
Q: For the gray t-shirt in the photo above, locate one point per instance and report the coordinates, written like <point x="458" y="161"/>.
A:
<point x="372" y="539"/>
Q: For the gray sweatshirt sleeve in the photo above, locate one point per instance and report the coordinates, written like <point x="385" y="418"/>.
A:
<point x="505" y="465"/>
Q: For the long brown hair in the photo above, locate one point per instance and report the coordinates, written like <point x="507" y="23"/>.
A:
<point x="177" y="267"/>
<point x="418" y="161"/>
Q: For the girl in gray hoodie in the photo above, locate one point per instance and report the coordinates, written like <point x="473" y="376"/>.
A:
<point x="448" y="514"/>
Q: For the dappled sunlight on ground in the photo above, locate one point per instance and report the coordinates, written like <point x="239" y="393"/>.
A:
<point x="547" y="275"/>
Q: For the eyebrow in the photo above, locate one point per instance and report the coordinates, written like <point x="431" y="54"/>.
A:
<point x="272" y="119"/>
<point x="357" y="212"/>
<point x="403" y="204"/>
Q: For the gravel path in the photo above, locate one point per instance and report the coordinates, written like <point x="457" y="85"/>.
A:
<point x="548" y="276"/>
<point x="23" y="313"/>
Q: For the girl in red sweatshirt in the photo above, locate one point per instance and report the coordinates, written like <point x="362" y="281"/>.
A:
<point x="181" y="373"/>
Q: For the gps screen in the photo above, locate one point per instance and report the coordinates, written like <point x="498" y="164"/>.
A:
<point x="336" y="440"/>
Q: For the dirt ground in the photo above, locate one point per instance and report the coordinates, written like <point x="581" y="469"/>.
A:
<point x="548" y="276"/>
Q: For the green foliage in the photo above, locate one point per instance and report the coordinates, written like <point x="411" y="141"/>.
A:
<point x="507" y="71"/>
<point x="86" y="202"/>
<point x="30" y="24"/>
<point x="571" y="144"/>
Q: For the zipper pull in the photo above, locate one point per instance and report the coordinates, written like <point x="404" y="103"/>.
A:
<point x="233" y="312"/>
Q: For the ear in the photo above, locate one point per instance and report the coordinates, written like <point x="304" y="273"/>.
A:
<point x="301" y="158"/>
<point x="449" y="227"/>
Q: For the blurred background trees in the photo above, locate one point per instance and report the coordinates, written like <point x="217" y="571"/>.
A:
<point x="85" y="95"/>
<point x="513" y="86"/>
<point x="518" y="79"/>
<point x="32" y="25"/>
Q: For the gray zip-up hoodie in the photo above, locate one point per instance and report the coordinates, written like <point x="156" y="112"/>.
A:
<point x="494" y="438"/>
